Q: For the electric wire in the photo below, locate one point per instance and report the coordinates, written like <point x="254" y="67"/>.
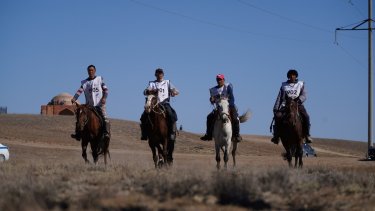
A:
<point x="220" y="25"/>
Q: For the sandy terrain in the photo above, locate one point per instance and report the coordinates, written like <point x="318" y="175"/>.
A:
<point x="46" y="171"/>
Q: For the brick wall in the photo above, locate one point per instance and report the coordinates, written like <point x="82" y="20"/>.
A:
<point x="57" y="110"/>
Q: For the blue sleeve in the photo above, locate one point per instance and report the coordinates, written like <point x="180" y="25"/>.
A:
<point x="230" y="93"/>
<point x="276" y="107"/>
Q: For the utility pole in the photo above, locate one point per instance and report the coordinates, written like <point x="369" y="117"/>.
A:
<point x="371" y="149"/>
<point x="369" y="136"/>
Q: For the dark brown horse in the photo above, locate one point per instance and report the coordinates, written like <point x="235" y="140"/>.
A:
<point x="157" y="130"/>
<point x="89" y="124"/>
<point x="291" y="133"/>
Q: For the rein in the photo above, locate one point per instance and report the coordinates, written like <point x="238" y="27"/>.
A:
<point x="162" y="111"/>
<point x="85" y="112"/>
<point x="154" y="108"/>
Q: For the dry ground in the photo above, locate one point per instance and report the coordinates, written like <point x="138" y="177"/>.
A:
<point x="46" y="171"/>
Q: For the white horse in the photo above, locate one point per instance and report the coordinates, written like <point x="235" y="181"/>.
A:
<point x="222" y="132"/>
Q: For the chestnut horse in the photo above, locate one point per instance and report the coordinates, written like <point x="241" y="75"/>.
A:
<point x="157" y="130"/>
<point x="89" y="124"/>
<point x="291" y="133"/>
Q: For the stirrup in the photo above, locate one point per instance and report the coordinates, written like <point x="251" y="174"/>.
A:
<point x="237" y="138"/>
<point x="308" y="140"/>
<point x="206" y="138"/>
<point x="76" y="137"/>
<point x="275" y="140"/>
<point x="106" y="136"/>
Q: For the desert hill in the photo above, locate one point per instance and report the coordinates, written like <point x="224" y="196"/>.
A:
<point x="46" y="171"/>
<point x="56" y="130"/>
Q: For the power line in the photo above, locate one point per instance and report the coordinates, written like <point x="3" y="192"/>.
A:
<point x="284" y="17"/>
<point x="351" y="56"/>
<point x="291" y="20"/>
<point x="356" y="8"/>
<point x="216" y="24"/>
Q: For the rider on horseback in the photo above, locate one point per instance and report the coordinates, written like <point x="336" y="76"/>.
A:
<point x="96" y="93"/>
<point x="222" y="90"/>
<point x="164" y="90"/>
<point x="295" y="89"/>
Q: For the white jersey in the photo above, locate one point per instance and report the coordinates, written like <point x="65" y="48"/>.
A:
<point x="93" y="90"/>
<point x="163" y="87"/>
<point x="292" y="90"/>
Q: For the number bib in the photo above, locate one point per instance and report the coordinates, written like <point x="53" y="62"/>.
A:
<point x="93" y="90"/>
<point x="163" y="88"/>
<point x="292" y="90"/>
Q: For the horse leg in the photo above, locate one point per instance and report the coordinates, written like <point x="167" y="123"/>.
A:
<point x="289" y="156"/>
<point x="165" y="150"/>
<point x="84" y="148"/>
<point x="226" y="157"/>
<point x="106" y="150"/>
<point x="94" y="149"/>
<point x="300" y="154"/>
<point x="234" y="153"/>
<point x="154" y="157"/>
<point x="160" y="155"/>
<point x="217" y="149"/>
<point x="170" y="150"/>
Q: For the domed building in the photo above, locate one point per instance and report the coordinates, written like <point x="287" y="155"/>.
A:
<point x="59" y="105"/>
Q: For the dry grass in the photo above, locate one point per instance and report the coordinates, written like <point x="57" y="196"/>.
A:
<point x="122" y="187"/>
<point x="46" y="172"/>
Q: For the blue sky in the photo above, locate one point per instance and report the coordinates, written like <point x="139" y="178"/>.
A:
<point x="45" y="47"/>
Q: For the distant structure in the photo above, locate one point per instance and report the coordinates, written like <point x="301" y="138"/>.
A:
<point x="181" y="127"/>
<point x="3" y="110"/>
<point x="59" y="105"/>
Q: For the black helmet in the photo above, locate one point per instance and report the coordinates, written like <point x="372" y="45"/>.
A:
<point x="158" y="71"/>
<point x="292" y="72"/>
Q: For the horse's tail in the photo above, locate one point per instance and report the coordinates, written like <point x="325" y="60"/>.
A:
<point x="244" y="117"/>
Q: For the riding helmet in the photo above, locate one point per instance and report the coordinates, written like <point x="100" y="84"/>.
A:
<point x="159" y="71"/>
<point x="292" y="72"/>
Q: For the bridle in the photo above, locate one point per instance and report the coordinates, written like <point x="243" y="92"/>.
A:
<point x="82" y="111"/>
<point x="155" y="106"/>
<point x="221" y="113"/>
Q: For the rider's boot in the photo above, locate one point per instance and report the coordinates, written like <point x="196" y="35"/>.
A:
<point x="209" y="130"/>
<point x="172" y="132"/>
<point x="143" y="132"/>
<point x="77" y="134"/>
<point x="106" y="129"/>
<point x="276" y="137"/>
<point x="236" y="131"/>
<point x="308" y="138"/>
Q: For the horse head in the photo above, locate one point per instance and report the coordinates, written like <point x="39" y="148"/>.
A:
<point x="82" y="116"/>
<point x="223" y="109"/>
<point x="291" y="107"/>
<point x="151" y="102"/>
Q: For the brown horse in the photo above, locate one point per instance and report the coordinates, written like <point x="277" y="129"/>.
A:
<point x="89" y="124"/>
<point x="291" y="133"/>
<point x="157" y="130"/>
